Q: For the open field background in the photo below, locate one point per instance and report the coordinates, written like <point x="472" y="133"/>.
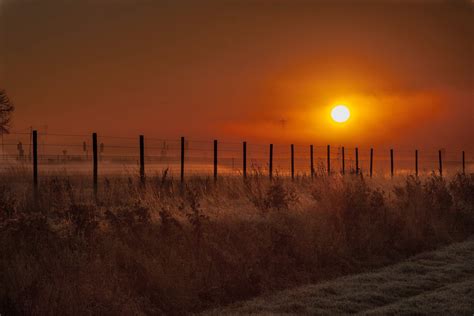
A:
<point x="167" y="247"/>
<point x="433" y="283"/>
<point x="72" y="154"/>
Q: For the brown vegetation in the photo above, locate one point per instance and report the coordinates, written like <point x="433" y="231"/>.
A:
<point x="174" y="249"/>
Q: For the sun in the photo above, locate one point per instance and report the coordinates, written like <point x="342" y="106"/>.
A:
<point x="340" y="113"/>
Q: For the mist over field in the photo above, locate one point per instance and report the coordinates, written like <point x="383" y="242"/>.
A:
<point x="264" y="71"/>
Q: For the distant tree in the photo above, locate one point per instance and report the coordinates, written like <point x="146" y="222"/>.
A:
<point x="6" y="110"/>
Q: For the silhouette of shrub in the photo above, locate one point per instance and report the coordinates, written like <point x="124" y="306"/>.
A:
<point x="279" y="196"/>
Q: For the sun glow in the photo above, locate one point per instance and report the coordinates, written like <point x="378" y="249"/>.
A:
<point x="340" y="113"/>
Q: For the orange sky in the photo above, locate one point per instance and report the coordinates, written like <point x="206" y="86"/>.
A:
<point x="239" y="69"/>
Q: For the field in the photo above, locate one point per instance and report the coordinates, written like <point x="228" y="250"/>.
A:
<point x="178" y="248"/>
<point x="433" y="283"/>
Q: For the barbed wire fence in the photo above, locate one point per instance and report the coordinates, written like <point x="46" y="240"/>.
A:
<point x="106" y="155"/>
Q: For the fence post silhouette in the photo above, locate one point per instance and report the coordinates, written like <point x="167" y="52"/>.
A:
<point x="142" y="158"/>
<point x="292" y="162"/>
<point x="343" y="161"/>
<point x="35" y="164"/>
<point x="142" y="175"/>
<point x="371" y="161"/>
<point x="357" y="159"/>
<point x="95" y="163"/>
<point x="270" y="163"/>
<point x="215" y="159"/>
<point x="329" y="159"/>
<point x="440" y="161"/>
<point x="463" y="163"/>
<point x="416" y="162"/>
<point x="182" y="159"/>
<point x="391" y="163"/>
<point x="244" y="164"/>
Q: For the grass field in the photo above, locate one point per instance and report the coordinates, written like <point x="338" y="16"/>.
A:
<point x="433" y="283"/>
<point x="169" y="248"/>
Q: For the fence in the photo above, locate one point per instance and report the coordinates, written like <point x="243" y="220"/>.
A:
<point x="107" y="155"/>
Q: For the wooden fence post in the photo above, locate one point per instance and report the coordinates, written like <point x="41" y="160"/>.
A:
<point x="35" y="164"/>
<point x="292" y="162"/>
<point x="463" y="163"/>
<point x="343" y="161"/>
<point x="142" y="158"/>
<point x="371" y="161"/>
<point x="357" y="159"/>
<point x="244" y="166"/>
<point x="440" y="160"/>
<point x="95" y="163"/>
<point x="416" y="163"/>
<point x="391" y="163"/>
<point x="182" y="160"/>
<point x="329" y="159"/>
<point x="215" y="159"/>
<point x="311" y="157"/>
<point x="270" y="163"/>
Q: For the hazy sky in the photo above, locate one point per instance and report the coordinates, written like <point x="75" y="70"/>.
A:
<point x="243" y="69"/>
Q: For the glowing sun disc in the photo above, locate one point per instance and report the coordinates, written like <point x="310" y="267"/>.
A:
<point x="340" y="113"/>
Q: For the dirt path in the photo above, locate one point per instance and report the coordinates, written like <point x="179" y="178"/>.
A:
<point x="434" y="283"/>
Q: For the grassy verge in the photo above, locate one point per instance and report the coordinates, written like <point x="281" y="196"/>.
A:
<point x="434" y="283"/>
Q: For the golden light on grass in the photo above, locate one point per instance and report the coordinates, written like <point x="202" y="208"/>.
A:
<point x="340" y="113"/>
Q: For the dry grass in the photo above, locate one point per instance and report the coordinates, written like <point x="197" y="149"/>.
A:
<point x="433" y="283"/>
<point x="172" y="249"/>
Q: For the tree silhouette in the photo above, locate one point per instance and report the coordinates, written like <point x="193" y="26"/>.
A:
<point x="6" y="110"/>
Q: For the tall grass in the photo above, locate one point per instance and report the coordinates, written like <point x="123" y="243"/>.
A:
<point x="174" y="249"/>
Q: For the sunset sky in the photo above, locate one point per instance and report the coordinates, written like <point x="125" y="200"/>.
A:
<point x="257" y="70"/>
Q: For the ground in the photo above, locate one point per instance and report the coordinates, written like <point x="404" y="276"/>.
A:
<point x="435" y="283"/>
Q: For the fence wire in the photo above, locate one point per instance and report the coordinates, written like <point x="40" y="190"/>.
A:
<point x="73" y="154"/>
